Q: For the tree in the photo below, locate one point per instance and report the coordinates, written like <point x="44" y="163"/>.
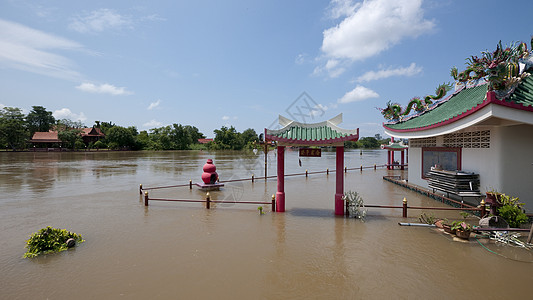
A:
<point x="160" y="138"/>
<point x="69" y="124"/>
<point x="143" y="140"/>
<point x="69" y="136"/>
<point x="121" y="137"/>
<point x="194" y="133"/>
<point x="104" y="126"/>
<point x="369" y="142"/>
<point x="39" y="120"/>
<point x="249" y="136"/>
<point x="13" y="132"/>
<point x="180" y="137"/>
<point x="228" y="138"/>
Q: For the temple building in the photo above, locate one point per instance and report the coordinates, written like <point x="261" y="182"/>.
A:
<point x="476" y="129"/>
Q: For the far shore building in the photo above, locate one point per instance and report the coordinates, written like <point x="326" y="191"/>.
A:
<point x="204" y="141"/>
<point x="50" y="139"/>
<point x="474" y="131"/>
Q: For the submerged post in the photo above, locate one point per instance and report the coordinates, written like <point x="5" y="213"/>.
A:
<point x="483" y="209"/>
<point x="273" y="203"/>
<point x="146" y="198"/>
<point x="207" y="201"/>
<point x="305" y="172"/>
<point x="252" y="178"/>
<point x="404" y="208"/>
<point x="140" y="189"/>
<point x="190" y="184"/>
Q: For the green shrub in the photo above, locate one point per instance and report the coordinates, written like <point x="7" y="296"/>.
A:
<point x="511" y="210"/>
<point x="514" y="215"/>
<point x="49" y="240"/>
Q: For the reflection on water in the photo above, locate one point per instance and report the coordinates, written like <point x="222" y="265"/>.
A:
<point x="182" y="250"/>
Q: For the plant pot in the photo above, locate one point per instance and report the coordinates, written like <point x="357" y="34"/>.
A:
<point x="464" y="234"/>
<point x="447" y="228"/>
<point x="439" y="224"/>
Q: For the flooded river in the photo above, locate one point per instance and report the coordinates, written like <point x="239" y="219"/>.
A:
<point x="183" y="251"/>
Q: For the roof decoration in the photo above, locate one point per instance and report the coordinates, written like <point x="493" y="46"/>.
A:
<point x="394" y="146"/>
<point x="463" y="103"/>
<point x="500" y="68"/>
<point x="500" y="71"/>
<point x="394" y="111"/>
<point x="317" y="134"/>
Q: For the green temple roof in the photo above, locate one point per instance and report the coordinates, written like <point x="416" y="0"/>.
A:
<point x="462" y="104"/>
<point x="318" y="134"/>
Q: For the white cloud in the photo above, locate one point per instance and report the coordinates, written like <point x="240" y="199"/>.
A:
<point x="154" y="104"/>
<point x="152" y="124"/>
<point x="31" y="50"/>
<point x="341" y="8"/>
<point x="100" y="20"/>
<point x="300" y="59"/>
<point x="65" y="113"/>
<point x="368" y="29"/>
<point x="412" y="70"/>
<point x="225" y="118"/>
<point x="103" y="89"/>
<point x="359" y="93"/>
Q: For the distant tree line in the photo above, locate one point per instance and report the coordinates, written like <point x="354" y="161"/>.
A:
<point x="368" y="142"/>
<point x="16" y="130"/>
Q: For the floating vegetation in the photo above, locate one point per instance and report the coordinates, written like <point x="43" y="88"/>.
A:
<point x="51" y="240"/>
<point x="509" y="238"/>
<point x="427" y="218"/>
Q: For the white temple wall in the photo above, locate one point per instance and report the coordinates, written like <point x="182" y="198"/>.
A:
<point x="505" y="166"/>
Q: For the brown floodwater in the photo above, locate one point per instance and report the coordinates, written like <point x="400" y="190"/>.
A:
<point x="183" y="251"/>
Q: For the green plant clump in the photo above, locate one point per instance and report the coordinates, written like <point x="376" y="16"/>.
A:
<point x="511" y="210"/>
<point x="50" y="240"/>
<point x="427" y="219"/>
<point x="461" y="225"/>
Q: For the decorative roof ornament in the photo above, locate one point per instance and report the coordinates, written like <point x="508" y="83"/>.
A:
<point x="503" y="69"/>
<point x="394" y="111"/>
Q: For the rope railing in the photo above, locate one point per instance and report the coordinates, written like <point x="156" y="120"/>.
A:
<point x="208" y="201"/>
<point x="482" y="209"/>
<point x="253" y="178"/>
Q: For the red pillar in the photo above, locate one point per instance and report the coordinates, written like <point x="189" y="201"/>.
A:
<point x="280" y="194"/>
<point x="392" y="159"/>
<point x="339" y="181"/>
<point x="401" y="162"/>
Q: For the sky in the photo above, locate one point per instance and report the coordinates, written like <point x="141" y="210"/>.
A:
<point x="241" y="63"/>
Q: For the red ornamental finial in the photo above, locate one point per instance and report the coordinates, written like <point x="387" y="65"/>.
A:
<point x="210" y="175"/>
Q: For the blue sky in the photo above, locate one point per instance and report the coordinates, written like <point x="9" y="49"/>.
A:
<point x="240" y="63"/>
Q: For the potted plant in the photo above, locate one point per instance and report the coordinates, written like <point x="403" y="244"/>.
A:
<point x="447" y="226"/>
<point x="462" y="229"/>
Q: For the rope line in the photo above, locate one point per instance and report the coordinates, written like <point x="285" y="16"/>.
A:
<point x="263" y="177"/>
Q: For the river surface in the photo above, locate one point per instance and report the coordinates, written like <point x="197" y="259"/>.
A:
<point x="172" y="250"/>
